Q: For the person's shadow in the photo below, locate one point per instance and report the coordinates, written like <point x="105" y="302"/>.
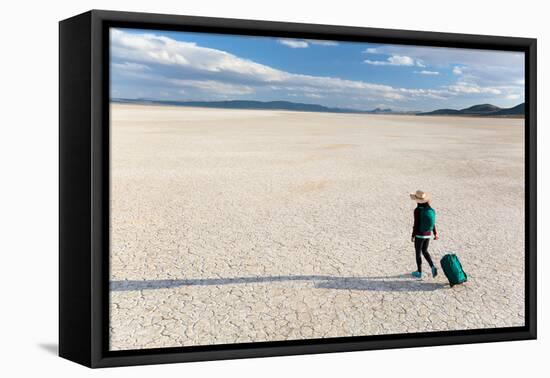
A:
<point x="402" y="282"/>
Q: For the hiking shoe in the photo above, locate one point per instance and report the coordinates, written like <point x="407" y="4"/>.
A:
<point x="417" y="274"/>
<point x="434" y="271"/>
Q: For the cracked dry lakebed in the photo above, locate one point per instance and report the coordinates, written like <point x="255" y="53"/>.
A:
<point x="232" y="226"/>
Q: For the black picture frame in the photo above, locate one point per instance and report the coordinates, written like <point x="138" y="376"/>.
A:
<point x="84" y="188"/>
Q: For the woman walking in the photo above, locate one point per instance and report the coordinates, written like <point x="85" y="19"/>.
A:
<point x="423" y="228"/>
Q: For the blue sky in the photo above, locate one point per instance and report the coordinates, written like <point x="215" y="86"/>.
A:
<point x="185" y="66"/>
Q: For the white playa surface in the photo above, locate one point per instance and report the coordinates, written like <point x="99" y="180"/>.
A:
<point x="243" y="226"/>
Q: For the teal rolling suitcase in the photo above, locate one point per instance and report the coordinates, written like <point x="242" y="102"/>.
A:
<point x="453" y="269"/>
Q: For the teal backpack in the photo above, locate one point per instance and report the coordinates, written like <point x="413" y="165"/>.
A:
<point x="426" y="218"/>
<point x="453" y="269"/>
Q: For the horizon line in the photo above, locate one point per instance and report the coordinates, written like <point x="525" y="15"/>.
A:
<point x="328" y="108"/>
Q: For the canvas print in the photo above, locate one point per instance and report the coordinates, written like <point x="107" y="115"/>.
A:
<point x="271" y="189"/>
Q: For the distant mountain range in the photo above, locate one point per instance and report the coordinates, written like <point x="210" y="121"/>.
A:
<point x="476" y="110"/>
<point x="265" y="105"/>
<point x="481" y="110"/>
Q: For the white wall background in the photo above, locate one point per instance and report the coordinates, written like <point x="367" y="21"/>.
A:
<point x="29" y="189"/>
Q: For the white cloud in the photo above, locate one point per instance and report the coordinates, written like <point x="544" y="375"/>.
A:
<point x="217" y="87"/>
<point x="395" y="60"/>
<point x="313" y="95"/>
<point x="420" y="63"/>
<point x="293" y="43"/>
<point x="186" y="56"/>
<point x="321" y="42"/>
<point x="401" y="60"/>
<point x="426" y="72"/>
<point x="436" y="94"/>
<point x="472" y="88"/>
<point x="129" y="66"/>
<point x="458" y="70"/>
<point x="513" y="96"/>
<point x="377" y="62"/>
<point x="304" y="43"/>
<point x="394" y="96"/>
<point x="371" y="50"/>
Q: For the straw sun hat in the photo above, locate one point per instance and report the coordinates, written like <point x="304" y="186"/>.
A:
<point x="420" y="197"/>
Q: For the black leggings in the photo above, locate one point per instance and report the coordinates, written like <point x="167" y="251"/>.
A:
<point x="421" y="246"/>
